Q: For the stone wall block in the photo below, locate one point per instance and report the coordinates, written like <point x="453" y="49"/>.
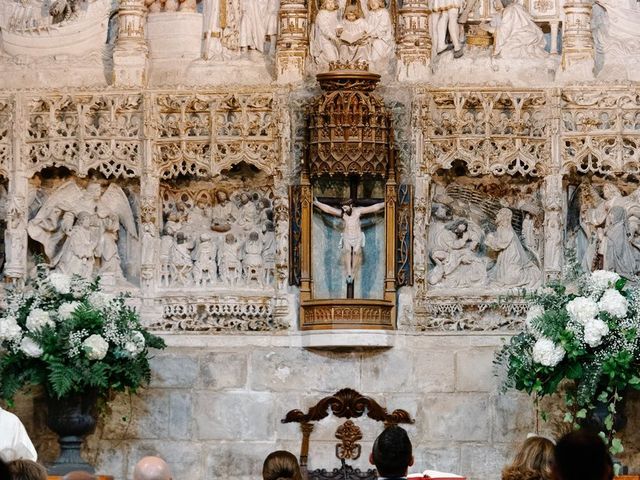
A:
<point x="174" y="370"/>
<point x="475" y="371"/>
<point x="387" y="371"/>
<point x="234" y="416"/>
<point x="110" y="459"/>
<point x="293" y="369"/>
<point x="237" y="460"/>
<point x="222" y="370"/>
<point x="445" y="458"/>
<point x="457" y="417"/>
<point x="180" y="415"/>
<point x="514" y="416"/>
<point x="433" y="370"/>
<point x="485" y="461"/>
<point x="145" y="416"/>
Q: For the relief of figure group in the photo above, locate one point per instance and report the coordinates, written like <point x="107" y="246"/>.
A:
<point x="475" y="243"/>
<point x="79" y="229"/>
<point x="218" y="241"/>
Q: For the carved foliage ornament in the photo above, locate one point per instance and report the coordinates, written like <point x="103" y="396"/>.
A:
<point x="203" y="135"/>
<point x="492" y="132"/>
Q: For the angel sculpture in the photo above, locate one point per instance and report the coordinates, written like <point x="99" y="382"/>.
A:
<point x="79" y="229"/>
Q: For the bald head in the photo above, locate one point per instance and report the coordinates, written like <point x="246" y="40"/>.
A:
<point x="152" y="468"/>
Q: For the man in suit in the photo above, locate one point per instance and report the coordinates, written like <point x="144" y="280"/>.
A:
<point x="392" y="454"/>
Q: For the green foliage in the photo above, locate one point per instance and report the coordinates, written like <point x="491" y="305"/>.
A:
<point x="594" y="356"/>
<point x="75" y="313"/>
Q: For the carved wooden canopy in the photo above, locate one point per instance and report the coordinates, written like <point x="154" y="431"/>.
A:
<point x="349" y="127"/>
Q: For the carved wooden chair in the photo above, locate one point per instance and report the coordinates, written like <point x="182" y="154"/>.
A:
<point x="347" y="404"/>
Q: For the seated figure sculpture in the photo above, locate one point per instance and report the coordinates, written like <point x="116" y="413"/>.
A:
<point x="353" y="36"/>
<point x="324" y="47"/>
<point x="381" y="31"/>
<point x="515" y="33"/>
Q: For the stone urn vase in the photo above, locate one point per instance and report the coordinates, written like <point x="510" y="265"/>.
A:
<point x="72" y="418"/>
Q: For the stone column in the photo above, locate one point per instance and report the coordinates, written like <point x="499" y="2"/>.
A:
<point x="293" y="41"/>
<point x="15" y="236"/>
<point x="422" y="216"/>
<point x="577" y="40"/>
<point x="130" y="52"/>
<point x="150" y="209"/>
<point x="553" y="226"/>
<point x="414" y="42"/>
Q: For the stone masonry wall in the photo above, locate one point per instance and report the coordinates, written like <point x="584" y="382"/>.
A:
<point x="215" y="403"/>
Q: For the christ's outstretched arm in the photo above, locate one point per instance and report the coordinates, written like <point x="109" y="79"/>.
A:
<point x="376" y="207"/>
<point x="327" y="208"/>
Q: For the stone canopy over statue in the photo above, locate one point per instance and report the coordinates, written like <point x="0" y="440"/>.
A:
<point x="79" y="229"/>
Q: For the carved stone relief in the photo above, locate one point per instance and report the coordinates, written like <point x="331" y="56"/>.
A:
<point x="86" y="228"/>
<point x="484" y="237"/>
<point x="217" y="237"/>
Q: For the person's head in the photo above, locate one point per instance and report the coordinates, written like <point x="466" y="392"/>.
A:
<point x="94" y="190"/>
<point x="329" y="5"/>
<point x="582" y="455"/>
<point x="392" y="452"/>
<point x="347" y="208"/>
<point x="281" y="465"/>
<point x="351" y="13"/>
<point x="535" y="457"/>
<point x="244" y="198"/>
<point x="222" y="196"/>
<point x="253" y="236"/>
<point x="503" y="217"/>
<point x="375" y="4"/>
<point x="152" y="468"/>
<point x="26" y="470"/>
<point x="230" y="238"/>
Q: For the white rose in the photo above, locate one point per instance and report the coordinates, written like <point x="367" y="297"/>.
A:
<point x="96" y="347"/>
<point x="547" y="353"/>
<point x="100" y="300"/>
<point x="582" y="309"/>
<point x="138" y="338"/>
<point x="66" y="309"/>
<point x="131" y="348"/>
<point x="30" y="347"/>
<point x="61" y="282"/>
<point x="534" y="312"/>
<point x="594" y="331"/>
<point x="37" y="319"/>
<point x="602" y="279"/>
<point x="9" y="329"/>
<point x="614" y="303"/>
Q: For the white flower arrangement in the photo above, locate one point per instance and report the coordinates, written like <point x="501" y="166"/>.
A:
<point x="66" y="334"/>
<point x="584" y="334"/>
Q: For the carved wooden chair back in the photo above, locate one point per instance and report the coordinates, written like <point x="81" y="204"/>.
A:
<point x="347" y="404"/>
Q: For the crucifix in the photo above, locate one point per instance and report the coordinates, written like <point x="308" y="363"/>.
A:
<point x="352" y="240"/>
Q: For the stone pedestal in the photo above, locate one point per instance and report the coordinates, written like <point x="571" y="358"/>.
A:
<point x="414" y="44"/>
<point x="174" y="36"/>
<point x="577" y="41"/>
<point x="130" y="52"/>
<point x="292" y="42"/>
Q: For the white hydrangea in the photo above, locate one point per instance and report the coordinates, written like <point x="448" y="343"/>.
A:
<point x="614" y="303"/>
<point x="594" y="331"/>
<point x="60" y="282"/>
<point x="582" y="309"/>
<point x="600" y="280"/>
<point x="66" y="309"/>
<point x="134" y="346"/>
<point x="38" y="319"/>
<point x="96" y="347"/>
<point x="100" y="300"/>
<point x="547" y="353"/>
<point x="30" y="347"/>
<point x="9" y="329"/>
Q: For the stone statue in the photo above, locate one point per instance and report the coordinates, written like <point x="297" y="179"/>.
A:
<point x="381" y="31"/>
<point x="515" y="34"/>
<point x="453" y="251"/>
<point x="180" y="260"/>
<point x="211" y="31"/>
<point x="74" y="224"/>
<point x="513" y="266"/>
<point x="230" y="259"/>
<point x="353" y="37"/>
<point x="271" y="29"/>
<point x="352" y="240"/>
<point x="443" y="20"/>
<point x="224" y="213"/>
<point x="204" y="261"/>
<point x="253" y="264"/>
<point x="618" y="35"/>
<point x="324" y="46"/>
<point x="252" y="25"/>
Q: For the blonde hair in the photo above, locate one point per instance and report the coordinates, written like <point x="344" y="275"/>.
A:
<point x="281" y="465"/>
<point x="532" y="462"/>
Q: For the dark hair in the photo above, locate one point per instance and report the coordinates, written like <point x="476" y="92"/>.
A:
<point x="392" y="452"/>
<point x="4" y="470"/>
<point x="582" y="455"/>
<point x="26" y="470"/>
<point x="281" y="465"/>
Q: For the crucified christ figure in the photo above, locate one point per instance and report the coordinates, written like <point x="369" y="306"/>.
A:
<point x="352" y="237"/>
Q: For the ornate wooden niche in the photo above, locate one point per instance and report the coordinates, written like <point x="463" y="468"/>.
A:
<point x="348" y="201"/>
